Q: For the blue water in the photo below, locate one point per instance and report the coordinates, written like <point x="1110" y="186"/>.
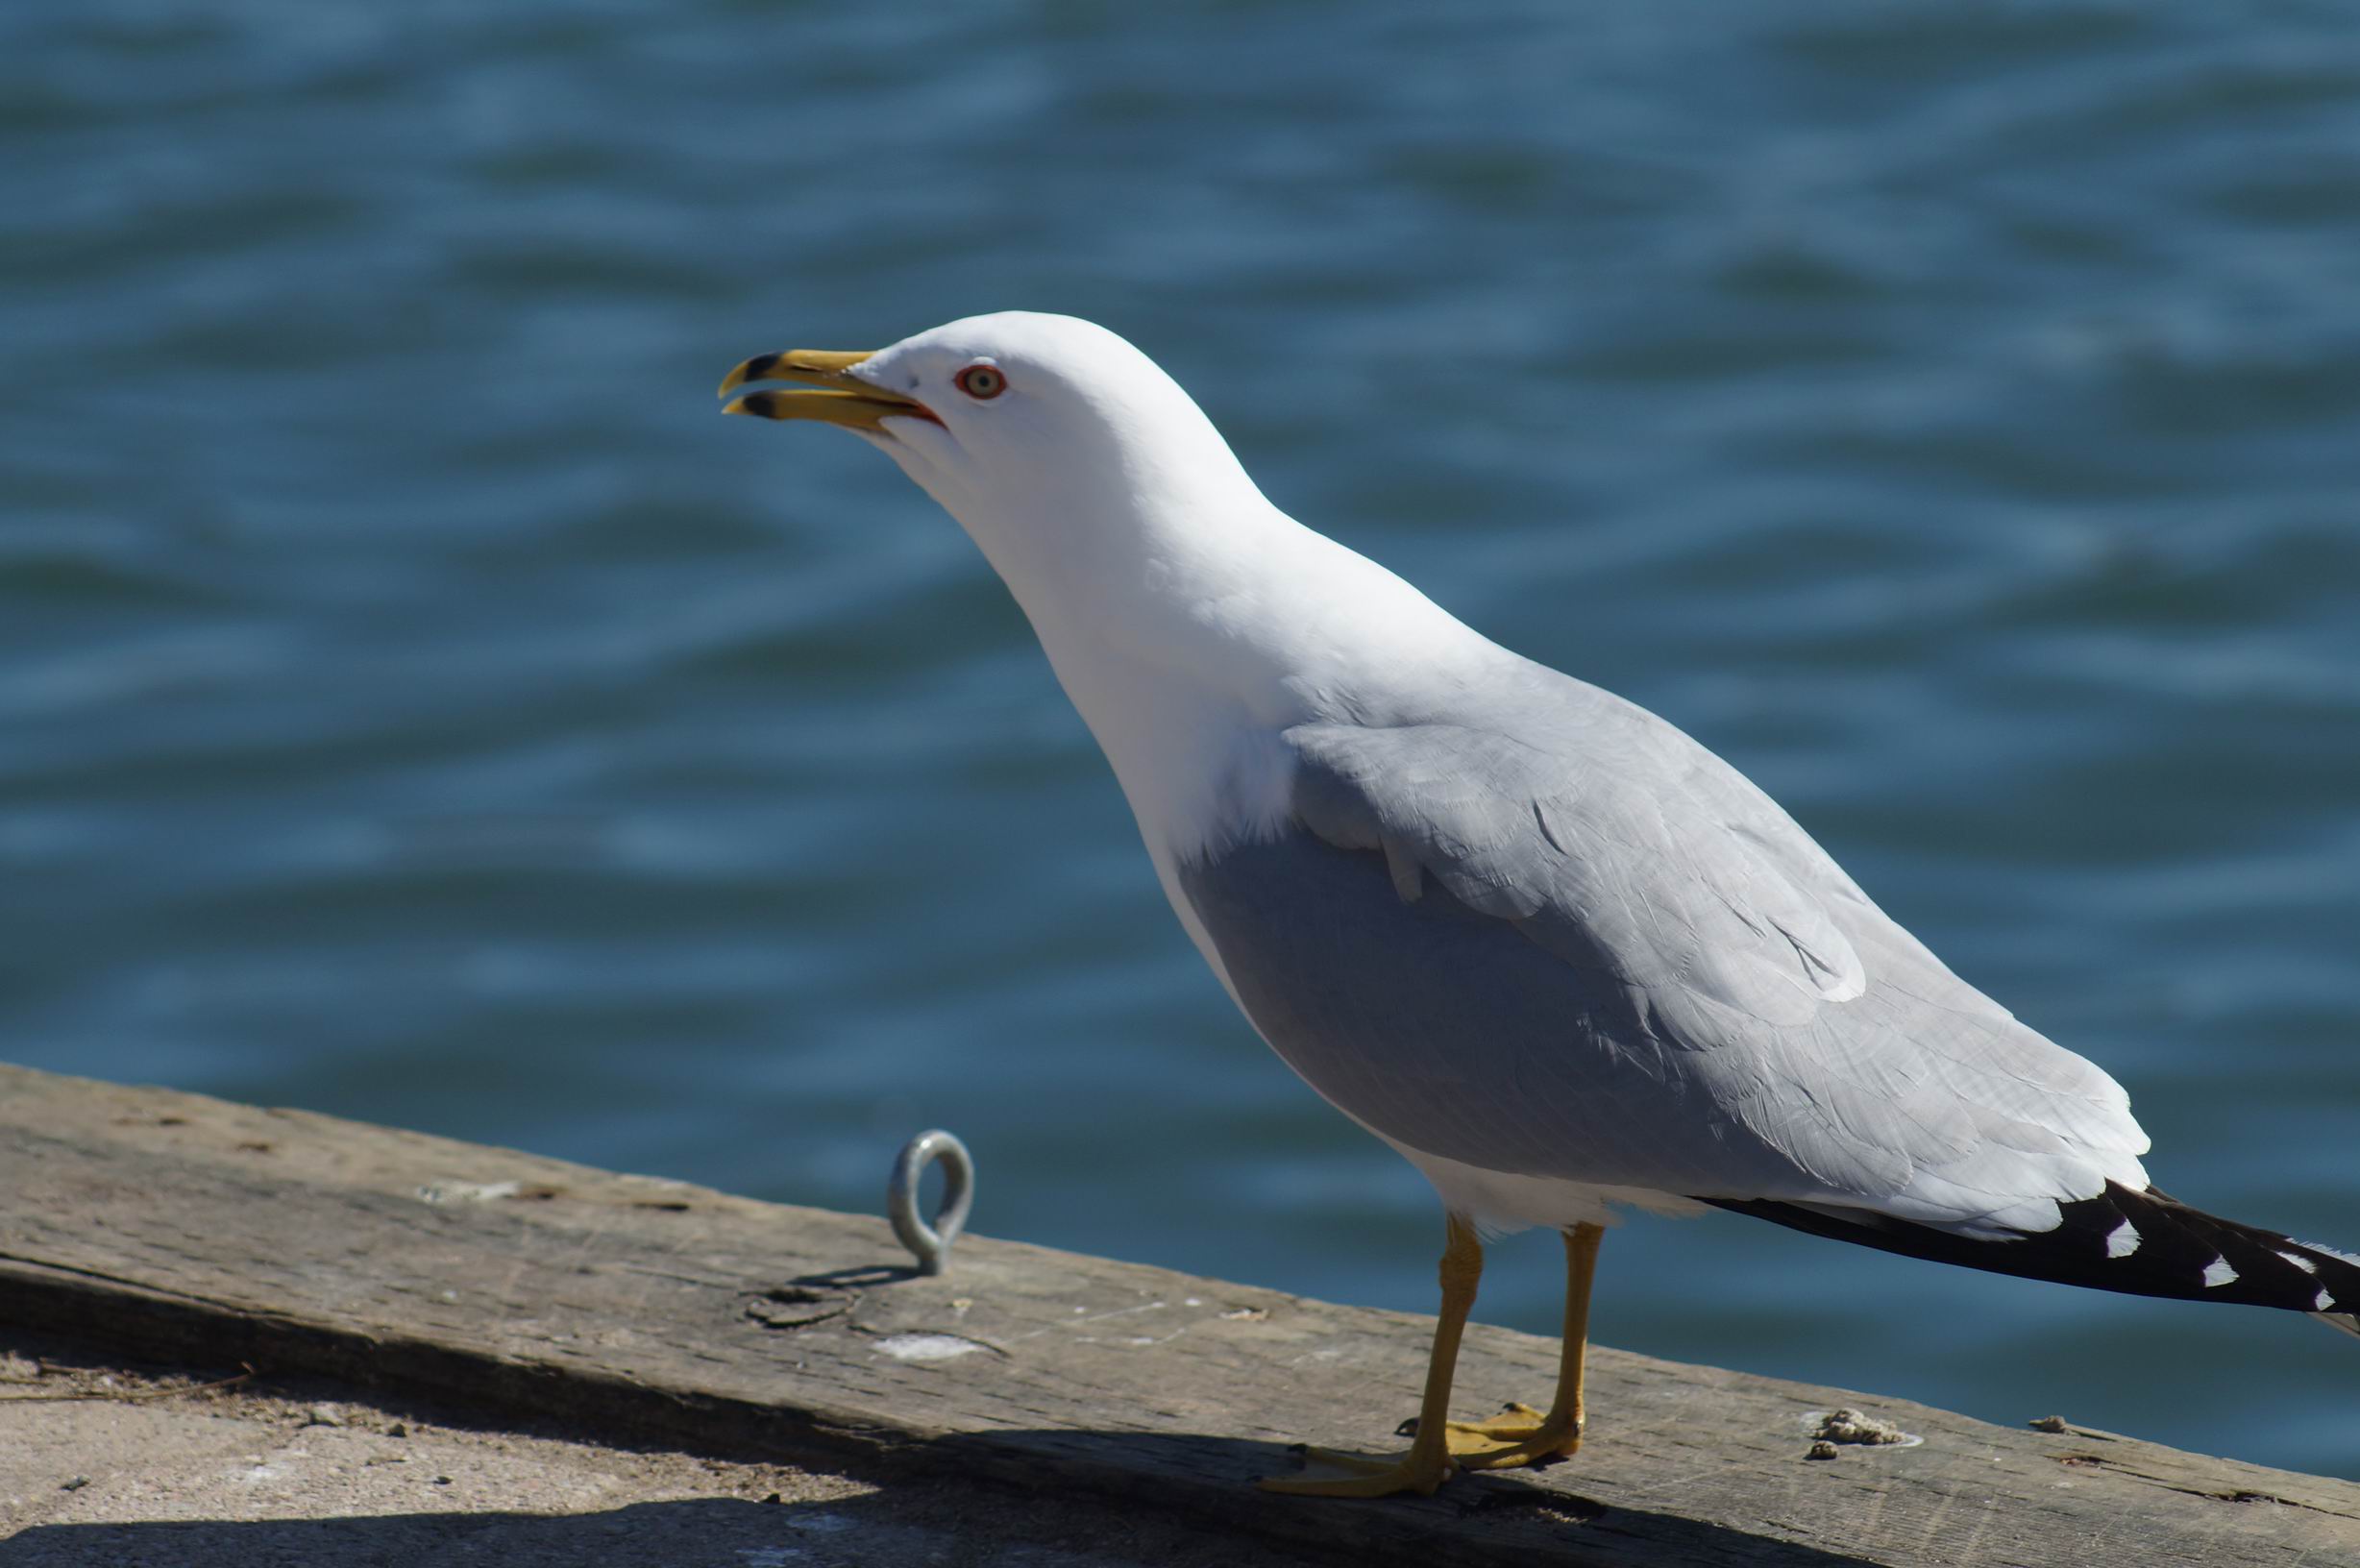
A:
<point x="416" y="704"/>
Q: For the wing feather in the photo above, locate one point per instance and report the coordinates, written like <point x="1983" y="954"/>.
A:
<point x="1733" y="986"/>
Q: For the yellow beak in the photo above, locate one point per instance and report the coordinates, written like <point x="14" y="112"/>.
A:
<point x="840" y="399"/>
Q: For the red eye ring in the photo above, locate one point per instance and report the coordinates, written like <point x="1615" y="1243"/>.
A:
<point x="982" y="382"/>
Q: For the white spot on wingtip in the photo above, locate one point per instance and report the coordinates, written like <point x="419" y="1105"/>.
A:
<point x="2322" y="1302"/>
<point x="2332" y="1252"/>
<point x="2123" y="1240"/>
<point x="2300" y="1262"/>
<point x="2217" y="1273"/>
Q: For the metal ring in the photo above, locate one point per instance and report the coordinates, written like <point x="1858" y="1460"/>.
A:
<point x="930" y="1244"/>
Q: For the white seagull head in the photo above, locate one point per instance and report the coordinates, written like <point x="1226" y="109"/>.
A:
<point x="1187" y="617"/>
<point x="1049" y="438"/>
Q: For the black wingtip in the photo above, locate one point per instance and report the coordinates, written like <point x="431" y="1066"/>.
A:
<point x="2137" y="1244"/>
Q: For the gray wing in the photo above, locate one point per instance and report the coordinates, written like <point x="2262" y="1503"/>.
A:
<point x="1552" y="935"/>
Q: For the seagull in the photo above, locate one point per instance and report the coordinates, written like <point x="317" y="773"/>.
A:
<point x="1564" y="959"/>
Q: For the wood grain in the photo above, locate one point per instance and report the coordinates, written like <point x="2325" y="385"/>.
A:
<point x="169" y="1224"/>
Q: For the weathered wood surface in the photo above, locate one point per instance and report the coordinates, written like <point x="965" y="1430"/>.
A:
<point x="171" y="1224"/>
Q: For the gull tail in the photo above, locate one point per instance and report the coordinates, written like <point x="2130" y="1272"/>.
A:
<point x="2139" y="1243"/>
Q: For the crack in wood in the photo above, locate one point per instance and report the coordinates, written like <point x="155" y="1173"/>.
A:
<point x="799" y="1307"/>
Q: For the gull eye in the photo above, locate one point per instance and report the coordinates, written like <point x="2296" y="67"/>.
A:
<point x="982" y="382"/>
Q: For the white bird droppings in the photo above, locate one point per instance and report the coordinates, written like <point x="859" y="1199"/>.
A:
<point x="469" y="1191"/>
<point x="927" y="1347"/>
<point x="2123" y="1240"/>
<point x="2217" y="1273"/>
<point x="1848" y="1426"/>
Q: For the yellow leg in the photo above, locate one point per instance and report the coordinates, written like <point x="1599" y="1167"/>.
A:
<point x="1521" y="1435"/>
<point x="1428" y="1462"/>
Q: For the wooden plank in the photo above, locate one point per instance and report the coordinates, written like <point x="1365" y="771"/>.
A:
<point x="171" y="1224"/>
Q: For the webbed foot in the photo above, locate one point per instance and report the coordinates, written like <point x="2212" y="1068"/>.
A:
<point x="1519" y="1434"/>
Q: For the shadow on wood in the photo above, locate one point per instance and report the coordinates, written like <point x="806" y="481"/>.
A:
<point x="879" y="1530"/>
<point x="1550" y="1524"/>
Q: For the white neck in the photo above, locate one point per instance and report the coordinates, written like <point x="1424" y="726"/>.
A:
<point x="1192" y="629"/>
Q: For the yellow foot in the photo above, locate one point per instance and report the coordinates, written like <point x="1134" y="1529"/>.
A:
<point x="1519" y="1434"/>
<point x="1366" y="1475"/>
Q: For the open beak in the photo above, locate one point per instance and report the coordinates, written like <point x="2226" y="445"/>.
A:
<point x="838" y="396"/>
